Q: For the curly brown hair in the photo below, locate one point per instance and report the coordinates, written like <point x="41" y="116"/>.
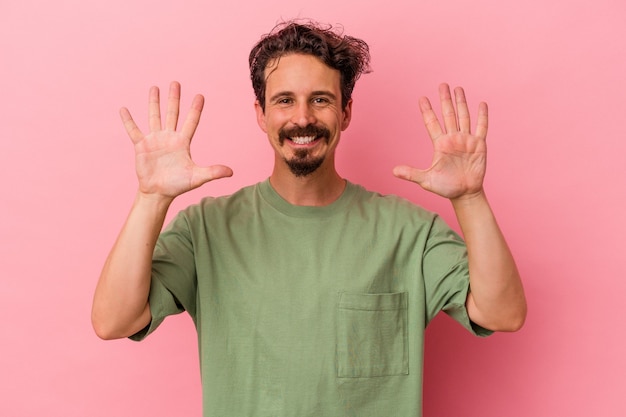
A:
<point x="349" y="55"/>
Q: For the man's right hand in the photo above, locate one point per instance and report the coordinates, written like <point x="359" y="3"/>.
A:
<point x="165" y="170"/>
<point x="162" y="157"/>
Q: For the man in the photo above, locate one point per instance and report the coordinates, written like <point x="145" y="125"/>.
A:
<point x="310" y="295"/>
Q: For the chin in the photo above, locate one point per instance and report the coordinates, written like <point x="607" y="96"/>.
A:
<point x="304" y="167"/>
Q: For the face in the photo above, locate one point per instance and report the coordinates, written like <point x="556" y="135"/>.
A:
<point x="303" y="117"/>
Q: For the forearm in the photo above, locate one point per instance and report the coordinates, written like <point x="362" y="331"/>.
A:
<point x="496" y="300"/>
<point x="120" y="306"/>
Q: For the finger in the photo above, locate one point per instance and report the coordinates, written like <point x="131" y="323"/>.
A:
<point x="447" y="109"/>
<point x="462" y="110"/>
<point x="131" y="127"/>
<point x="482" y="122"/>
<point x="193" y="117"/>
<point x="154" y="110"/>
<point x="408" y="173"/>
<point x="430" y="119"/>
<point x="203" y="175"/>
<point x="173" y="105"/>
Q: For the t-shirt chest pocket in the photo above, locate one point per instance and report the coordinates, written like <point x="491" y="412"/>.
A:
<point x="372" y="335"/>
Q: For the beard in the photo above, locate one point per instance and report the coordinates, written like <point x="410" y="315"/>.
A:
<point x="302" y="163"/>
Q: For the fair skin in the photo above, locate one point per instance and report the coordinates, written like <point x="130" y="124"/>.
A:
<point x="164" y="170"/>
<point x="497" y="299"/>
<point x="300" y="91"/>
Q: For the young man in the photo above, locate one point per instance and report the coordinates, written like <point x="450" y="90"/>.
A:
<point x="310" y="294"/>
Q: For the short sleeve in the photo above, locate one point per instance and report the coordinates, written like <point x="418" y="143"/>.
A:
<point x="162" y="304"/>
<point x="446" y="276"/>
<point x="174" y="284"/>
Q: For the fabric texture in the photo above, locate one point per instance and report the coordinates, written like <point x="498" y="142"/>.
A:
<point x="309" y="311"/>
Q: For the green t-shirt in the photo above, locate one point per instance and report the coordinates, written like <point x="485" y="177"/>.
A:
<point x="309" y="311"/>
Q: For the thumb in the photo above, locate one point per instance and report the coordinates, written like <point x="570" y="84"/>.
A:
<point x="203" y="175"/>
<point x="408" y="173"/>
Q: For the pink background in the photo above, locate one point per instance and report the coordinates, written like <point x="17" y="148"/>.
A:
<point x="553" y="75"/>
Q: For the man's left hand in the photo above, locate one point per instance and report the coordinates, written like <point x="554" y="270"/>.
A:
<point x="460" y="157"/>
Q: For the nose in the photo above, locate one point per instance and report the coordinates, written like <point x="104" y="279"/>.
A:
<point x="303" y="115"/>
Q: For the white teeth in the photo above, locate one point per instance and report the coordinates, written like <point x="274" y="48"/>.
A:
<point x="302" y="140"/>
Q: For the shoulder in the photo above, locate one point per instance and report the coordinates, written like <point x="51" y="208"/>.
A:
<point x="389" y="205"/>
<point x="226" y="205"/>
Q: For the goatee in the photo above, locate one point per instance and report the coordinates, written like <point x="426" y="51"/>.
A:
<point x="301" y="165"/>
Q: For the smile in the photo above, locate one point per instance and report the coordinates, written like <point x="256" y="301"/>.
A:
<point x="302" y="140"/>
<point x="304" y="136"/>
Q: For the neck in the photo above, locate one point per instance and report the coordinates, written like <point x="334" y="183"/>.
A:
<point x="319" y="188"/>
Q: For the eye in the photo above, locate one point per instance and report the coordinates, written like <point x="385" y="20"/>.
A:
<point x="282" y="101"/>
<point x="321" y="100"/>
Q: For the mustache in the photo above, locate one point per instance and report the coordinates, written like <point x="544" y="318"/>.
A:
<point x="308" y="130"/>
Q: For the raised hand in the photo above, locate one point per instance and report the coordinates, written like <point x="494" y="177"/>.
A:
<point x="460" y="157"/>
<point x="162" y="157"/>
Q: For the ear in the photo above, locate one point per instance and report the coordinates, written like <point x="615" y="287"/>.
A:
<point x="260" y="116"/>
<point x="347" y="115"/>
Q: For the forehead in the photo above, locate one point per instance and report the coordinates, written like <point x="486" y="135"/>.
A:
<point x="300" y="72"/>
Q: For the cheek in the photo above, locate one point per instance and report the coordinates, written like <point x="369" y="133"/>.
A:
<point x="271" y="126"/>
<point x="275" y="120"/>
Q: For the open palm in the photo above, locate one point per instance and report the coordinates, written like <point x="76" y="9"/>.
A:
<point x="460" y="157"/>
<point x="162" y="157"/>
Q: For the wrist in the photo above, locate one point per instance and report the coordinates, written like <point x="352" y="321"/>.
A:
<point x="156" y="201"/>
<point x="469" y="198"/>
